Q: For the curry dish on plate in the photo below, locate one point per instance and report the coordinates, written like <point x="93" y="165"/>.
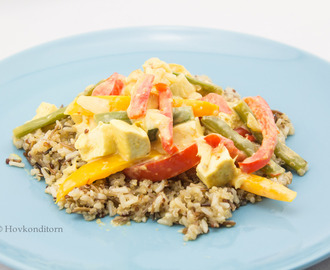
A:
<point x="163" y="144"/>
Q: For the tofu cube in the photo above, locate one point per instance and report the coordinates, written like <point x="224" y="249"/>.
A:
<point x="96" y="143"/>
<point x="216" y="168"/>
<point x="131" y="141"/>
<point x="186" y="133"/>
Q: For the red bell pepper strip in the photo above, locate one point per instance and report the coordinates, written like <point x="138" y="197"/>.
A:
<point x="165" y="106"/>
<point x="215" y="139"/>
<point x="264" y="115"/>
<point x="219" y="101"/>
<point x="139" y="99"/>
<point x="245" y="133"/>
<point x="112" y="86"/>
<point x="164" y="168"/>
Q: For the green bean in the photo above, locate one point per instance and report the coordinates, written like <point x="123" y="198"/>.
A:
<point x="206" y="86"/>
<point x="41" y="122"/>
<point x="215" y="124"/>
<point x="107" y="117"/>
<point x="289" y="157"/>
<point x="49" y="119"/>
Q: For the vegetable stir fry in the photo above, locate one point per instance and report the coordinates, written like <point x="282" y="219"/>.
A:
<point x="162" y="121"/>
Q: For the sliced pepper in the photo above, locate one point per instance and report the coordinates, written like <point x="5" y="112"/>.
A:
<point x="264" y="115"/>
<point x="112" y="86"/>
<point x="139" y="102"/>
<point x="165" y="106"/>
<point x="200" y="108"/>
<point x="95" y="170"/>
<point x="263" y="187"/>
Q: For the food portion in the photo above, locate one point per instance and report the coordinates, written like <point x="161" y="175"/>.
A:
<point x="160" y="143"/>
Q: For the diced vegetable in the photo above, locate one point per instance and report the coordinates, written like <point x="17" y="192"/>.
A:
<point x="96" y="143"/>
<point x="263" y="187"/>
<point x="111" y="86"/>
<point x="219" y="101"/>
<point x="186" y="133"/>
<point x="215" y="124"/>
<point x="131" y="141"/>
<point x="165" y="106"/>
<point x="41" y="122"/>
<point x="182" y="88"/>
<point x="44" y="109"/>
<point x="161" y="168"/>
<point x="139" y="101"/>
<point x="206" y="87"/>
<point x="200" y="108"/>
<point x="265" y="117"/>
<point x="291" y="158"/>
<point x="216" y="167"/>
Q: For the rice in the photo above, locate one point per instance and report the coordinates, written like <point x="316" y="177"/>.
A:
<point x="184" y="200"/>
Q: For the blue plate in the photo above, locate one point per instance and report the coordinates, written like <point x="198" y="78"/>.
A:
<point x="268" y="235"/>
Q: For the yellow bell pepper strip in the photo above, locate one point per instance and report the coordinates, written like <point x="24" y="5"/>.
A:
<point x="116" y="103"/>
<point x="263" y="187"/>
<point x="95" y="170"/>
<point x="75" y="109"/>
<point x="200" y="108"/>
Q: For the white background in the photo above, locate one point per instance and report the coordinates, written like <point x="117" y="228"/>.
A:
<point x="303" y="24"/>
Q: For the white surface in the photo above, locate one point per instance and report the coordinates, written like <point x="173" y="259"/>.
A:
<point x="303" y="24"/>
